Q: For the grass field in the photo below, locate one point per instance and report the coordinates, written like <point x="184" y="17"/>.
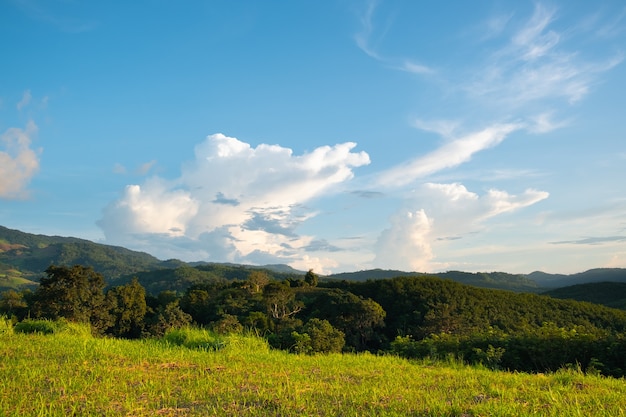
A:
<point x="72" y="374"/>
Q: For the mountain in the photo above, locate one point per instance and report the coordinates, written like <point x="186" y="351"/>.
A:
<point x="496" y="280"/>
<point x="610" y="294"/>
<point x="593" y="275"/>
<point x="24" y="257"/>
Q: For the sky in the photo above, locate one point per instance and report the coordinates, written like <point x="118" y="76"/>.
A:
<point x="328" y="135"/>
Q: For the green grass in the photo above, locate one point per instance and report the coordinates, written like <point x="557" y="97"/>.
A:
<point x="70" y="373"/>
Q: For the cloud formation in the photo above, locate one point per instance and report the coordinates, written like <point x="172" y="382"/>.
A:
<point x="446" y="212"/>
<point x="18" y="161"/>
<point x="232" y="202"/>
<point x="450" y="155"/>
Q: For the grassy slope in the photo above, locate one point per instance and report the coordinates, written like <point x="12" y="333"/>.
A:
<point x="65" y="374"/>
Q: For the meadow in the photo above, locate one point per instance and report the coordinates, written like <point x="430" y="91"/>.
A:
<point x="192" y="372"/>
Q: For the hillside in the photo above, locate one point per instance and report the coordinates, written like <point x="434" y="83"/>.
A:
<point x="25" y="256"/>
<point x="610" y="294"/>
<point x="593" y="275"/>
<point x="65" y="374"/>
<point x="497" y="280"/>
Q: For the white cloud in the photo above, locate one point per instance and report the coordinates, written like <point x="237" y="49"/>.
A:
<point x="449" y="155"/>
<point x="406" y="245"/>
<point x="415" y="68"/>
<point x="535" y="67"/>
<point x="18" y="162"/>
<point x="446" y="212"/>
<point x="232" y="202"/>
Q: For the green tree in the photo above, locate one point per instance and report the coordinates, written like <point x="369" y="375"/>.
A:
<point x="280" y="300"/>
<point x="75" y="293"/>
<point x="13" y="303"/>
<point x="357" y="317"/>
<point x="257" y="280"/>
<point x="166" y="317"/>
<point x="128" y="308"/>
<point x="324" y="338"/>
<point x="311" y="278"/>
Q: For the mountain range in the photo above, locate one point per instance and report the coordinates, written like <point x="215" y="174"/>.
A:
<point x="25" y="256"/>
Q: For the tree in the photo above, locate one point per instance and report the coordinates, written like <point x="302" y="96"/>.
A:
<point x="324" y="338"/>
<point x="355" y="316"/>
<point x="75" y="293"/>
<point x="167" y="317"/>
<point x="128" y="308"/>
<point x="257" y="280"/>
<point x="13" y="304"/>
<point x="311" y="278"/>
<point x="281" y="300"/>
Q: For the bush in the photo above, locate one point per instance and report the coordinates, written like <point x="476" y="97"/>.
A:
<point x="194" y="338"/>
<point x="6" y="325"/>
<point x="42" y="326"/>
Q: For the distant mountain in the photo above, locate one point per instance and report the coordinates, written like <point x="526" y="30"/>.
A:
<point x="497" y="280"/>
<point x="25" y="256"/>
<point x="593" y="275"/>
<point x="610" y="294"/>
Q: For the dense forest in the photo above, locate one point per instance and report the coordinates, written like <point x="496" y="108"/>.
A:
<point x="412" y="316"/>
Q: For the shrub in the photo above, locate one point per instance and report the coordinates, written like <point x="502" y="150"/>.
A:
<point x="42" y="326"/>
<point x="6" y="325"/>
<point x="195" y="338"/>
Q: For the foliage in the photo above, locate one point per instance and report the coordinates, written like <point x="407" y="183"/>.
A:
<point x="166" y="317"/>
<point x="6" y="325"/>
<point x="195" y="338"/>
<point x="610" y="294"/>
<point x="318" y="336"/>
<point x="311" y="278"/>
<point x="127" y="305"/>
<point x="14" y="303"/>
<point x="75" y="294"/>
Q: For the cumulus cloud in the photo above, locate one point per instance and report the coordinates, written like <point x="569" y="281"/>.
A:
<point x="447" y="212"/>
<point x="18" y="161"/>
<point x="232" y="201"/>
<point x="406" y="244"/>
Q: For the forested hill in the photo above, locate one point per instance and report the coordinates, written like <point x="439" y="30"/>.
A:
<point x="24" y="257"/>
<point x="610" y="294"/>
<point x="592" y="275"/>
<point x="496" y="280"/>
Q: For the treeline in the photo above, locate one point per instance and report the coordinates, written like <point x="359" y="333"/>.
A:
<point x="413" y="316"/>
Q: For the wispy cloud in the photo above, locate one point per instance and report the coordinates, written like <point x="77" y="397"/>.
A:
<point x="536" y="66"/>
<point x="449" y="155"/>
<point x="371" y="34"/>
<point x="56" y="14"/>
<point x="25" y="101"/>
<point x="363" y="38"/>
<point x="18" y="161"/>
<point x="592" y="240"/>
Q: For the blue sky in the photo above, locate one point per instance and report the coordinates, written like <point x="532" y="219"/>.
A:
<point x="334" y="135"/>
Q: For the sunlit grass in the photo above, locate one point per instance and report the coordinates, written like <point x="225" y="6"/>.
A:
<point x="71" y="373"/>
